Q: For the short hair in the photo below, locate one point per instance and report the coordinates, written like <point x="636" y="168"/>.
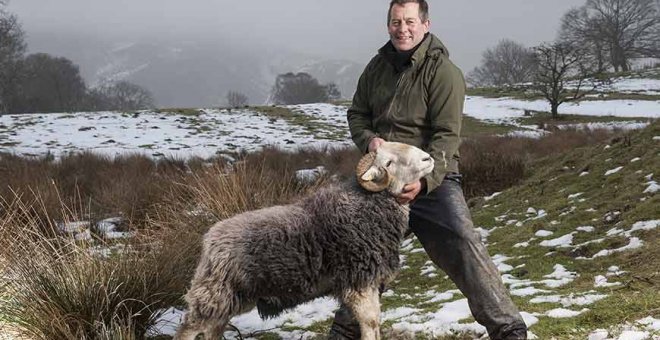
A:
<point x="423" y="8"/>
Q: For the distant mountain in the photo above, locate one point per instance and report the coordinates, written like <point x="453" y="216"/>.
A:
<point x="192" y="74"/>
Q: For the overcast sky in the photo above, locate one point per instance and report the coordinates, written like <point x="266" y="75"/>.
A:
<point x="346" y="29"/>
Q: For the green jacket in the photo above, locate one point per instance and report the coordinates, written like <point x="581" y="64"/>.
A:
<point x="421" y="105"/>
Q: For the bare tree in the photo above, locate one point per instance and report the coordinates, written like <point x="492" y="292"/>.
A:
<point x="562" y="74"/>
<point x="299" y="88"/>
<point x="625" y="29"/>
<point x="12" y="49"/>
<point x="655" y="53"/>
<point x="507" y="63"/>
<point x="236" y="99"/>
<point x="580" y="31"/>
<point x="332" y="91"/>
<point x="122" y="96"/>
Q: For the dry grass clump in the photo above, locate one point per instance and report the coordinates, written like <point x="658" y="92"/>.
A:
<point x="219" y="190"/>
<point x="56" y="288"/>
<point x="129" y="185"/>
<point x="491" y="164"/>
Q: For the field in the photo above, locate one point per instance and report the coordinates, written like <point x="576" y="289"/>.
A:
<point x="102" y="214"/>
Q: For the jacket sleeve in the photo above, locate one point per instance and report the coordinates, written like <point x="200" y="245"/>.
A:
<point x="360" y="115"/>
<point x="446" y="96"/>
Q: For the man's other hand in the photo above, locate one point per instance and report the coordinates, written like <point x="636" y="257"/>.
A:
<point x="410" y="191"/>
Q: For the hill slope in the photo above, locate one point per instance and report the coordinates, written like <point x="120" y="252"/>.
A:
<point x="577" y="244"/>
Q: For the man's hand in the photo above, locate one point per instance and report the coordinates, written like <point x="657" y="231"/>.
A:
<point x="410" y="191"/>
<point x="375" y="143"/>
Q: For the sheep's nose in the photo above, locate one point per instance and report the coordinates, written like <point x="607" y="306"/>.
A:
<point x="427" y="159"/>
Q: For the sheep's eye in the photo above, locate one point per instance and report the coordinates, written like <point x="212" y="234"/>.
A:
<point x="388" y="164"/>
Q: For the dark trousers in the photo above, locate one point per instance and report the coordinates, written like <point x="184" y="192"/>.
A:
<point x="442" y="223"/>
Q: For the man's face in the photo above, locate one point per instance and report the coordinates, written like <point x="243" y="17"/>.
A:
<point x="406" y="29"/>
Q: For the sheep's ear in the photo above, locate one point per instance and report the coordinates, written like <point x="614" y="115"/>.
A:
<point x="372" y="173"/>
<point x="375" y="179"/>
<point x="371" y="177"/>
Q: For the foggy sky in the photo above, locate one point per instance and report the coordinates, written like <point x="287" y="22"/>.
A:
<point x="340" y="29"/>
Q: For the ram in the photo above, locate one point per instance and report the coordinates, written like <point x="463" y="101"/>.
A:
<point x="342" y="241"/>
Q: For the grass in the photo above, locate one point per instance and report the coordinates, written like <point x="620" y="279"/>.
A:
<point x="181" y="111"/>
<point x="505" y="91"/>
<point x="621" y="192"/>
<point x="171" y="203"/>
<point x="523" y="94"/>
<point x="545" y="119"/>
<point x="312" y="125"/>
<point x="473" y="127"/>
<point x="61" y="289"/>
<point x="623" y="96"/>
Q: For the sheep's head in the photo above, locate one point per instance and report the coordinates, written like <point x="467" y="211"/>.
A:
<point x="392" y="166"/>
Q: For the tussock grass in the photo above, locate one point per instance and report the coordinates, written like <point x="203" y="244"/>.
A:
<point x="490" y="164"/>
<point x="56" y="288"/>
<point x="128" y="185"/>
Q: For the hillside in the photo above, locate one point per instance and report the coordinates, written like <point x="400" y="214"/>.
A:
<point x="581" y="234"/>
<point x="576" y="243"/>
<point x="578" y="237"/>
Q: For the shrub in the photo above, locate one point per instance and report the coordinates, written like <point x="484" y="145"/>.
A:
<point x="490" y="164"/>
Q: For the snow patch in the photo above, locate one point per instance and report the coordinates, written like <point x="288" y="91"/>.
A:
<point x="613" y="171"/>
<point x="561" y="242"/>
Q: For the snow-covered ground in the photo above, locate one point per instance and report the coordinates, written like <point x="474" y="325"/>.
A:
<point x="217" y="131"/>
<point x="504" y="109"/>
<point x="634" y="85"/>
<point x="206" y="134"/>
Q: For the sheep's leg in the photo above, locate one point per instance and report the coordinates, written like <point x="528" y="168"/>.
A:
<point x="215" y="328"/>
<point x="209" y="309"/>
<point x="186" y="333"/>
<point x="365" y="306"/>
<point x="212" y="328"/>
<point x="187" y="330"/>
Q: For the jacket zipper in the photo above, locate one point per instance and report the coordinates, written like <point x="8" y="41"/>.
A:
<point x="389" y="108"/>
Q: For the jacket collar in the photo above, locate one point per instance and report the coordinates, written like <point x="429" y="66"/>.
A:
<point x="430" y="46"/>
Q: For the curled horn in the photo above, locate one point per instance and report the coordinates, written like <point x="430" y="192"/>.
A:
<point x="375" y="185"/>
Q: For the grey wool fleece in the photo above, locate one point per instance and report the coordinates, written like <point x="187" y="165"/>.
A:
<point x="341" y="237"/>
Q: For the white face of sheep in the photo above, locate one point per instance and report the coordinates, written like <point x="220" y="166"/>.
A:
<point x="392" y="166"/>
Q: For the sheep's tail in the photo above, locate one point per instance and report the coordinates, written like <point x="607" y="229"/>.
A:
<point x="210" y="294"/>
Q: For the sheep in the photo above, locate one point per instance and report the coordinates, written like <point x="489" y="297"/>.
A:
<point x="342" y="240"/>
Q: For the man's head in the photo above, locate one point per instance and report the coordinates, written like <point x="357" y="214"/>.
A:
<point x="407" y="23"/>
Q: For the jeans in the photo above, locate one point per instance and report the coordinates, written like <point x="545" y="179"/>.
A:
<point x="442" y="223"/>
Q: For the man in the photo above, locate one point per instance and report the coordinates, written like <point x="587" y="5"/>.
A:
<point x="411" y="92"/>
